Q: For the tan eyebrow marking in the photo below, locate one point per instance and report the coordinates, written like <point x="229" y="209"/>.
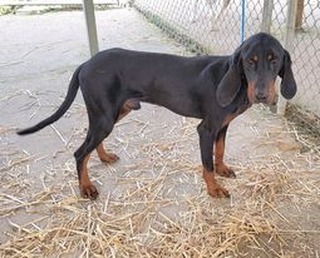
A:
<point x="269" y="57"/>
<point x="255" y="58"/>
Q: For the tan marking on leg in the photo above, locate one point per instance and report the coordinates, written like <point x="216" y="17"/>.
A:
<point x="220" y="167"/>
<point x="106" y="156"/>
<point x="126" y="108"/>
<point x="219" y="152"/>
<point x="87" y="189"/>
<point x="213" y="188"/>
<point x="123" y="112"/>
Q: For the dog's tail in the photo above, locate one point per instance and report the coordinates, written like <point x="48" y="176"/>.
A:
<point x="72" y="92"/>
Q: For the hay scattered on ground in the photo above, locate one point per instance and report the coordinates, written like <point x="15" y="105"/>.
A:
<point x="306" y="127"/>
<point x="156" y="205"/>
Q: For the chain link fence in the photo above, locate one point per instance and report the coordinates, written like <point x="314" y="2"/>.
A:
<point x="215" y="27"/>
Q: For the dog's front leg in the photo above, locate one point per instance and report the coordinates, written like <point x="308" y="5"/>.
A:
<point x="220" y="168"/>
<point x="207" y="135"/>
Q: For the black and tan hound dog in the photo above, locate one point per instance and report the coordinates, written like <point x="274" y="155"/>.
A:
<point x="214" y="89"/>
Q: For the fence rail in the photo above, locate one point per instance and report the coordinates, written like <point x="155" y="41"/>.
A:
<point x="213" y="26"/>
<point x="54" y="2"/>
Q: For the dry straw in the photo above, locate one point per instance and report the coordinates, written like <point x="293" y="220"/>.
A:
<point x="158" y="206"/>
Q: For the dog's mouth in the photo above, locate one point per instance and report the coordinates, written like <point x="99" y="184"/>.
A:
<point x="268" y="100"/>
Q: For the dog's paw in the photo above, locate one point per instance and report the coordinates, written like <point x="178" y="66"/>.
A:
<point x="213" y="188"/>
<point x="225" y="171"/>
<point x="218" y="192"/>
<point x="89" y="191"/>
<point x="109" y="158"/>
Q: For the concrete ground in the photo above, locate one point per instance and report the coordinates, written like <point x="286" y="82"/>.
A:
<point x="37" y="57"/>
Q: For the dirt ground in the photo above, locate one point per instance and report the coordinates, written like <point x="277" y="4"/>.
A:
<point x="153" y="201"/>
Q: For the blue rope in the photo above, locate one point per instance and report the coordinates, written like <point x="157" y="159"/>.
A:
<point x="243" y="17"/>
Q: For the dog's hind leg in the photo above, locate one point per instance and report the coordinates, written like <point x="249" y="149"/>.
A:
<point x="130" y="104"/>
<point x="99" y="129"/>
<point x="106" y="157"/>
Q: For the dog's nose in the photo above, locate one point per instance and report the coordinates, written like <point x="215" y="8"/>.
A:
<point x="261" y="97"/>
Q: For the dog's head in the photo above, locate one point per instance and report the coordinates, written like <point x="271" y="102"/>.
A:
<point x="259" y="60"/>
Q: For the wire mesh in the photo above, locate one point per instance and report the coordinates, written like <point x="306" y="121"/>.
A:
<point x="213" y="27"/>
<point x="200" y="25"/>
<point x="306" y="56"/>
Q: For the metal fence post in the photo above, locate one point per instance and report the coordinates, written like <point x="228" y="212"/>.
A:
<point x="288" y="44"/>
<point x="88" y="8"/>
<point x="243" y="20"/>
<point x="299" y="16"/>
<point x="267" y="16"/>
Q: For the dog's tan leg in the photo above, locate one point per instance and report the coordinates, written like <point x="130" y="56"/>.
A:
<point x="213" y="188"/>
<point x="105" y="156"/>
<point x="221" y="168"/>
<point x="87" y="189"/>
<point x="108" y="157"/>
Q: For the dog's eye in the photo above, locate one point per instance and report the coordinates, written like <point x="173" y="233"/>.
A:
<point x="251" y="61"/>
<point x="274" y="61"/>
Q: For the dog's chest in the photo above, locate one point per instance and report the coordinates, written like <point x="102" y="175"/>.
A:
<point x="239" y="109"/>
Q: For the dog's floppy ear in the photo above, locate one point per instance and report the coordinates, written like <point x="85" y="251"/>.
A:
<point x="288" y="85"/>
<point x="230" y="84"/>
